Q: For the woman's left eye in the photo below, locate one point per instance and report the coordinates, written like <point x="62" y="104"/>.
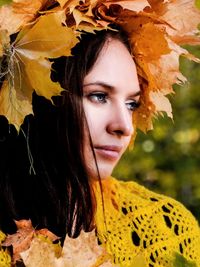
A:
<point x="132" y="105"/>
<point x="98" y="97"/>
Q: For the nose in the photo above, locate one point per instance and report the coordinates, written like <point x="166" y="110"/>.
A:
<point x="120" y="122"/>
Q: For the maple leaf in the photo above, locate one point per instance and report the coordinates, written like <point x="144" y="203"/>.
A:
<point x="21" y="240"/>
<point x="83" y="251"/>
<point x="184" y="19"/>
<point x="20" y="12"/>
<point x="40" y="254"/>
<point x="29" y="67"/>
<point x="71" y="3"/>
<point x="78" y="252"/>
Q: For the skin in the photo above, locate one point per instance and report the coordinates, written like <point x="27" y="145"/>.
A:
<point x="111" y="94"/>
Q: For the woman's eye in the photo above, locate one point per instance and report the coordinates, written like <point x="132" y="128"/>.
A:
<point x="98" y="97"/>
<point x="132" y="105"/>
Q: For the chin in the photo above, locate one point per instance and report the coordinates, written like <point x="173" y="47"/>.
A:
<point x="105" y="171"/>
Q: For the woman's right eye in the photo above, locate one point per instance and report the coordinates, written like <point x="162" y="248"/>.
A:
<point x="98" y="97"/>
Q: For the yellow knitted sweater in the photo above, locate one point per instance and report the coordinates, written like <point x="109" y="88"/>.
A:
<point x="138" y="227"/>
<point x="134" y="228"/>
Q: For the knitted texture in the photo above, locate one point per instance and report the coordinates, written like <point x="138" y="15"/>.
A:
<point x="137" y="224"/>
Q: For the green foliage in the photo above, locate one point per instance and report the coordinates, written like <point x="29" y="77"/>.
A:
<point x="4" y="2"/>
<point x="167" y="159"/>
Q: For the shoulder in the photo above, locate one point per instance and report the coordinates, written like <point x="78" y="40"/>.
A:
<point x="138" y="219"/>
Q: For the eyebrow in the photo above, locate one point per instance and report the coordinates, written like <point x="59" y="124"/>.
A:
<point x="109" y="87"/>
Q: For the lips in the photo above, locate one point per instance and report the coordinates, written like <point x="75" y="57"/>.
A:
<point x="108" y="152"/>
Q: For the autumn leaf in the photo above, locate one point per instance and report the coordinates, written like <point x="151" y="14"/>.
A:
<point x="150" y="42"/>
<point x="19" y="13"/>
<point x="71" y="3"/>
<point x="21" y="240"/>
<point x="76" y="252"/>
<point x="13" y="105"/>
<point x="30" y="68"/>
<point x="4" y="44"/>
<point x="184" y="19"/>
<point x="84" y="251"/>
<point x="40" y="254"/>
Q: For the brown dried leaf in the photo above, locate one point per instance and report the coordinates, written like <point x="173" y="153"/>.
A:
<point x="40" y="254"/>
<point x="161" y="103"/>
<point x="183" y="16"/>
<point x="78" y="252"/>
<point x="83" y="251"/>
<point x="158" y="6"/>
<point x="135" y="6"/>
<point x="22" y="239"/>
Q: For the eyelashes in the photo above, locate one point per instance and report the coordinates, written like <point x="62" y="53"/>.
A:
<point x="133" y="105"/>
<point x="102" y="98"/>
<point x="98" y="97"/>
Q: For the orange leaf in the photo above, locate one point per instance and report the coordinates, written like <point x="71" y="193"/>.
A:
<point x="21" y="240"/>
<point x="150" y="42"/>
<point x="19" y="13"/>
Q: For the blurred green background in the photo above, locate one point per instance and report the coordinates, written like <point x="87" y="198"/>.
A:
<point x="167" y="159"/>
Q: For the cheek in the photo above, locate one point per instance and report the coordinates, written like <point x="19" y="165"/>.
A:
<point x="95" y="121"/>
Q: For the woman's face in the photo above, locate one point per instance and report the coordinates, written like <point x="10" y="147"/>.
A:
<point x="110" y="95"/>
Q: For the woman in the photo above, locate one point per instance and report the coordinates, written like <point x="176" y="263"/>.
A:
<point x="55" y="171"/>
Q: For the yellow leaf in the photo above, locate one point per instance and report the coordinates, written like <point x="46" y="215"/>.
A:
<point x="29" y="67"/>
<point x="1" y="50"/>
<point x="14" y="105"/>
<point x="47" y="38"/>
<point x="42" y="83"/>
<point x="4" y="41"/>
<point x="70" y="3"/>
<point x="62" y="2"/>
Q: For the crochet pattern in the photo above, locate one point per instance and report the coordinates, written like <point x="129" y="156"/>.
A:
<point x="141" y="224"/>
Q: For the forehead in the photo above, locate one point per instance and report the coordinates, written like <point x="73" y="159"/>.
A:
<point x="114" y="66"/>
